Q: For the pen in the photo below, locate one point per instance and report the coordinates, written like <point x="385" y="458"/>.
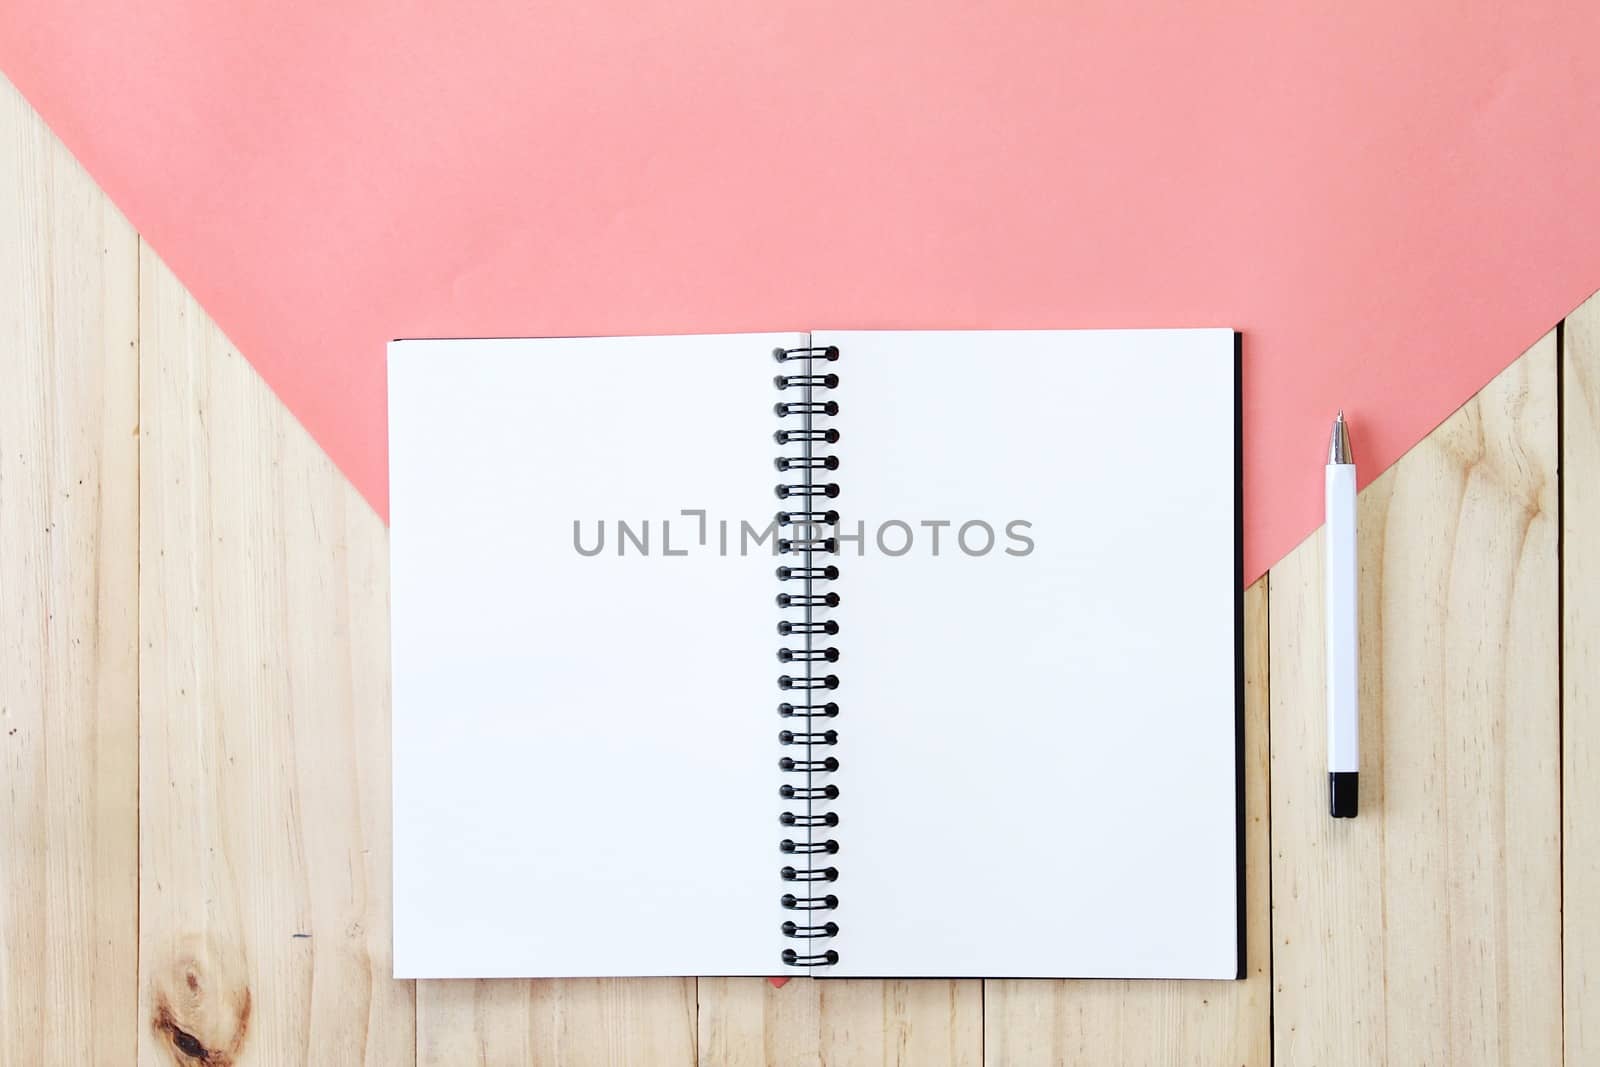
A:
<point x="1340" y="515"/>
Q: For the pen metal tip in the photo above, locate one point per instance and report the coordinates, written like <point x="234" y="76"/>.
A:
<point x="1339" y="441"/>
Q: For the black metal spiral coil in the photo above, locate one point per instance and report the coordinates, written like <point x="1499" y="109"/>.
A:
<point x="808" y="537"/>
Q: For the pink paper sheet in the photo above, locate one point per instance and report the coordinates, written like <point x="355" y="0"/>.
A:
<point x="1391" y="200"/>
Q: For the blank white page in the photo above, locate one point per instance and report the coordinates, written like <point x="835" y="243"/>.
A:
<point x="585" y="777"/>
<point x="1037" y="752"/>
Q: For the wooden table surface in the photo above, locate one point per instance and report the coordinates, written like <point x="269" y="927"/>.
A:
<point x="194" y="839"/>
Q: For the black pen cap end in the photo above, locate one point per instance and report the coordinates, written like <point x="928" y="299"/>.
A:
<point x="1342" y="794"/>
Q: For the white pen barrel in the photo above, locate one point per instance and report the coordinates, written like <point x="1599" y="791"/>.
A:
<point x="1343" y="679"/>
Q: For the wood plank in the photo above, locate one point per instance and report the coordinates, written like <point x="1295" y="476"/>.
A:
<point x="906" y="1024"/>
<point x="1580" y="554"/>
<point x="1140" y="1023"/>
<point x="264" y="743"/>
<point x="746" y="1021"/>
<point x="575" y="1022"/>
<point x="1427" y="930"/>
<point x="69" y="518"/>
<point x="829" y="1022"/>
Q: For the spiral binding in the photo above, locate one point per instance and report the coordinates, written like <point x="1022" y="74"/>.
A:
<point x="806" y="539"/>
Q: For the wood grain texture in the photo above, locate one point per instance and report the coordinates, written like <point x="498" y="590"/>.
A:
<point x="746" y="1021"/>
<point x="838" y="1022"/>
<point x="1193" y="1024"/>
<point x="1580" y="554"/>
<point x="568" y="1022"/>
<point x="69" y="590"/>
<point x="264" y="914"/>
<point x="1427" y="930"/>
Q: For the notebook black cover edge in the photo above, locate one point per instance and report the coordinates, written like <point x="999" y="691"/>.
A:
<point x="1238" y="644"/>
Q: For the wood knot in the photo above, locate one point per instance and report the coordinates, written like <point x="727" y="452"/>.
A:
<point x="200" y="1003"/>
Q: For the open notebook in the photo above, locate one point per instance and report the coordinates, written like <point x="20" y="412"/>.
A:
<point x="842" y="653"/>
